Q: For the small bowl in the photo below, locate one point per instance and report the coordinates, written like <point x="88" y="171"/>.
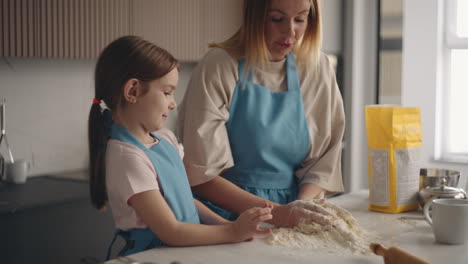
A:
<point x="432" y="177"/>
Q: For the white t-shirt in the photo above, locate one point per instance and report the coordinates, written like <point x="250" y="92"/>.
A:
<point x="129" y="171"/>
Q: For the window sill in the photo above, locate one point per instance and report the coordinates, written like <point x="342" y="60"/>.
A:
<point x="458" y="159"/>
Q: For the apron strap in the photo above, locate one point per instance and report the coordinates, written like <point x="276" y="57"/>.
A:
<point x="116" y="232"/>
<point x="136" y="240"/>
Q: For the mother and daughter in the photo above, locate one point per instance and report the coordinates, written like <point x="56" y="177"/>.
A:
<point x="137" y="167"/>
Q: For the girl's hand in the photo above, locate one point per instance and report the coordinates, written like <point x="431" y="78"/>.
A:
<point x="247" y="224"/>
<point x="292" y="214"/>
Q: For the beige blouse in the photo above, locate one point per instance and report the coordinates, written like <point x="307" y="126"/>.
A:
<point x="205" y="110"/>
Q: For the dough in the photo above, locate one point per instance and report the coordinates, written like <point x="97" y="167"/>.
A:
<point x="344" y="235"/>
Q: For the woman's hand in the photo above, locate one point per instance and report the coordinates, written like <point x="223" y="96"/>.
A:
<point x="247" y="224"/>
<point x="292" y="214"/>
<point x="340" y="212"/>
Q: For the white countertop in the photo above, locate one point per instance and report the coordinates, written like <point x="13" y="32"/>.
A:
<point x="407" y="231"/>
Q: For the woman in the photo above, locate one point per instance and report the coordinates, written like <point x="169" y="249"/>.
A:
<point x="256" y="126"/>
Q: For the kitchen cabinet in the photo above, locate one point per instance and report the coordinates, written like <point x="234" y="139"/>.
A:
<point x="80" y="29"/>
<point x="183" y="27"/>
<point x="51" y="220"/>
<point x="77" y="29"/>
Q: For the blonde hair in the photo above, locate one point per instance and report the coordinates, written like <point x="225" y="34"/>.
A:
<point x="249" y="41"/>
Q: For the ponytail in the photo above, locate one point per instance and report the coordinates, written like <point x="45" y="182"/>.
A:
<point x="97" y="134"/>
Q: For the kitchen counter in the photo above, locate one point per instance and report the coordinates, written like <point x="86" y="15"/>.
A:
<point x="43" y="191"/>
<point x="49" y="219"/>
<point x="408" y="231"/>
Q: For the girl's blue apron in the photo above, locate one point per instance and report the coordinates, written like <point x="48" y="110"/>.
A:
<point x="175" y="188"/>
<point x="269" y="138"/>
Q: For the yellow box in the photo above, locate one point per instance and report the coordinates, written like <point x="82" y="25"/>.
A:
<point x="394" y="140"/>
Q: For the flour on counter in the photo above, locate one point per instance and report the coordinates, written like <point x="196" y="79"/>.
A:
<point x="343" y="236"/>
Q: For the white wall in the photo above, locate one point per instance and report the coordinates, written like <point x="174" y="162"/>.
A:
<point x="46" y="106"/>
<point x="421" y="79"/>
<point x="360" y="52"/>
<point x="332" y="21"/>
<point x="47" y="109"/>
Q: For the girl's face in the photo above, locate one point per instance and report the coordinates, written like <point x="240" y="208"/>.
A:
<point x="285" y="25"/>
<point x="154" y="106"/>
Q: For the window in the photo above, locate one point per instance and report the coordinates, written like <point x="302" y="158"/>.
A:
<point x="454" y="94"/>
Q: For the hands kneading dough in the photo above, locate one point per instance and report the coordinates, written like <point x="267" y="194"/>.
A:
<point x="318" y="211"/>
<point x="292" y="214"/>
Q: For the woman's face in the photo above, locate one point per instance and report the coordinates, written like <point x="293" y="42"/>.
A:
<point x="285" y="25"/>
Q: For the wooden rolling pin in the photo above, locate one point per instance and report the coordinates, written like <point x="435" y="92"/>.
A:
<point x="395" y="255"/>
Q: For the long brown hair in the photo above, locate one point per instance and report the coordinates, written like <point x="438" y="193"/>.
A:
<point x="123" y="59"/>
<point x="249" y="41"/>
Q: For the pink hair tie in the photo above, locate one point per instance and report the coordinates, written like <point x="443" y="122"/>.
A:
<point x="96" y="101"/>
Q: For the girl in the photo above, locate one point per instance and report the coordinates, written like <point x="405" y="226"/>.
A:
<point x="140" y="173"/>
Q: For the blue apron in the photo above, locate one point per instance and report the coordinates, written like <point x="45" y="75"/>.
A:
<point x="269" y="138"/>
<point x="175" y="188"/>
